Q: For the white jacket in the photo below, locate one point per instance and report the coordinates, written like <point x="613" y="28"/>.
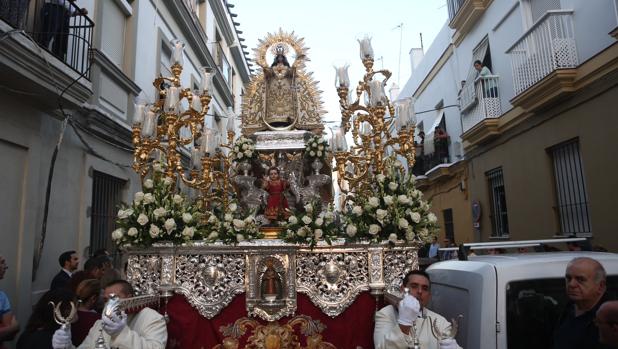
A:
<point x="144" y="330"/>
<point x="388" y="335"/>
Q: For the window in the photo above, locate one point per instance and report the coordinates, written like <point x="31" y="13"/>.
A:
<point x="571" y="197"/>
<point x="497" y="197"/>
<point x="165" y="59"/>
<point x="449" y="228"/>
<point x="539" y="7"/>
<point x="467" y="95"/>
<point x="106" y="196"/>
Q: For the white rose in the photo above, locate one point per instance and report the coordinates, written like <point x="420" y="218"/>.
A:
<point x="329" y="216"/>
<point x="233" y="207"/>
<point x="432" y="218"/>
<point x="374" y="229"/>
<point x="293" y="220"/>
<point x="357" y="210"/>
<point x="139" y="196"/>
<point x="350" y="230"/>
<point x="381" y="214"/>
<point x="187" y="217"/>
<point x="240" y="237"/>
<point x="228" y="217"/>
<point x="302" y="232"/>
<point x="212" y="218"/>
<point x="308" y="208"/>
<point x="381" y="178"/>
<point x="157" y="167"/>
<point x="177" y="199"/>
<point x="403" y="223"/>
<point x="170" y="224"/>
<point x="319" y="153"/>
<point x="238" y="224"/>
<point x="306" y="219"/>
<point x="320" y="147"/>
<point x="154" y="231"/>
<point x="148" y="184"/>
<point x="167" y="181"/>
<point x="388" y="200"/>
<point x="410" y="236"/>
<point x="132" y="231"/>
<point x="374" y="201"/>
<point x="416" y="217"/>
<point x="122" y="214"/>
<point x="312" y="153"/>
<point x="319" y="221"/>
<point x="149" y="198"/>
<point x="142" y="219"/>
<point x="392" y="238"/>
<point x="188" y="232"/>
<point x="392" y="185"/>
<point x="245" y="146"/>
<point x="318" y="233"/>
<point x="247" y="153"/>
<point x="159" y="212"/>
<point x="249" y="219"/>
<point x="213" y="235"/>
<point x="117" y="234"/>
<point x="403" y="199"/>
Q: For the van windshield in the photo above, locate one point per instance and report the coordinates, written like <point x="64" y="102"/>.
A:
<point x="533" y="308"/>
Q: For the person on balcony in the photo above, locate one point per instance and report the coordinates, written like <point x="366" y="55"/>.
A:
<point x="56" y="15"/>
<point x="481" y="70"/>
<point x="489" y="85"/>
<point x="440" y="143"/>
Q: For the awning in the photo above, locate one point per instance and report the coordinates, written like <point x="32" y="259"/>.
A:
<point x="429" y="133"/>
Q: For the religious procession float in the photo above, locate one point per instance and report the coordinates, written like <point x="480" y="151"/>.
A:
<point x="242" y="238"/>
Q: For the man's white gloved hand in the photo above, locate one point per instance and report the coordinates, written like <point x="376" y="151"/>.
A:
<point x="449" y="343"/>
<point x="114" y="324"/>
<point x="61" y="338"/>
<point x="409" y="309"/>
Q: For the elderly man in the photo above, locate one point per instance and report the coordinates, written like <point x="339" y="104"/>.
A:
<point x="144" y="330"/>
<point x="397" y="328"/>
<point x="585" y="288"/>
<point x="607" y="322"/>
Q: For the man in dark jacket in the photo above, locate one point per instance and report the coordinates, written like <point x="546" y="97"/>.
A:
<point x="68" y="262"/>
<point x="585" y="286"/>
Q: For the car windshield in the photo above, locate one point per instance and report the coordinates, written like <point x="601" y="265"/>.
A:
<point x="533" y="308"/>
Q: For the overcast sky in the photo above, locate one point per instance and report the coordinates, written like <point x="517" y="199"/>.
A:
<point x="330" y="29"/>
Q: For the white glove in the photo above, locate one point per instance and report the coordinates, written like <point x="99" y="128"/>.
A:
<point x="449" y="343"/>
<point x="61" y="338"/>
<point x="113" y="325"/>
<point x="409" y="309"/>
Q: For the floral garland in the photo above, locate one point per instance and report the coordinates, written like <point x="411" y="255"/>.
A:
<point x="316" y="148"/>
<point x="157" y="214"/>
<point x="243" y="150"/>
<point x="395" y="210"/>
<point x="315" y="224"/>
<point x="230" y="226"/>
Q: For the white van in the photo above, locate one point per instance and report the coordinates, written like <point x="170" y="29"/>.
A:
<point x="508" y="301"/>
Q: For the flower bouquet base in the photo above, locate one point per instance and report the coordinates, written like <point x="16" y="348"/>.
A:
<point x="271" y="232"/>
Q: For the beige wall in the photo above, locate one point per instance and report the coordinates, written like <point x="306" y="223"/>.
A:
<point x="528" y="175"/>
<point x="447" y="194"/>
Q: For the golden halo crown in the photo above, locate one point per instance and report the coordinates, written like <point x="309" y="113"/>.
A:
<point x="280" y="48"/>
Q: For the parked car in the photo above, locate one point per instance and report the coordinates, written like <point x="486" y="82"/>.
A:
<point x="508" y="301"/>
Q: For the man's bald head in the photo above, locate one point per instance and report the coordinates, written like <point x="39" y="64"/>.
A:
<point x="590" y="264"/>
<point x="585" y="282"/>
<point x="607" y="322"/>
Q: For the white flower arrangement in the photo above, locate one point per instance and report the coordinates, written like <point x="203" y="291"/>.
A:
<point x="316" y="148"/>
<point x="243" y="150"/>
<point x="317" y="223"/>
<point x="395" y="210"/>
<point x="230" y="226"/>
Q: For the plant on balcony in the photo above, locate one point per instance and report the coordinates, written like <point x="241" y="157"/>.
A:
<point x="316" y="223"/>
<point x="393" y="210"/>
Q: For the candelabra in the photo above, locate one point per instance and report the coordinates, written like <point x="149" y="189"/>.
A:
<point x="378" y="127"/>
<point x="174" y="122"/>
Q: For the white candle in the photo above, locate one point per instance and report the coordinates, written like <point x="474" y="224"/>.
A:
<point x="207" y="145"/>
<point x="206" y="84"/>
<point x="411" y="113"/>
<point x="177" y="47"/>
<point x="366" y="51"/>
<point x="341" y="77"/>
<point x="377" y="95"/>
<point x="138" y="115"/>
<point x="171" y="98"/>
<point x="401" y="120"/>
<point x="231" y="125"/>
<point x="196" y="104"/>
<point x="150" y="124"/>
<point x="196" y="158"/>
<point x="365" y="129"/>
<point x="340" y="144"/>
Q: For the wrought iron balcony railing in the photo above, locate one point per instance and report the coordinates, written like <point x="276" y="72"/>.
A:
<point x="547" y="46"/>
<point x="480" y="100"/>
<point x="59" y="26"/>
<point x="453" y="7"/>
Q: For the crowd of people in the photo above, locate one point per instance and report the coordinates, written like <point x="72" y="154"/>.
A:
<point x="589" y="320"/>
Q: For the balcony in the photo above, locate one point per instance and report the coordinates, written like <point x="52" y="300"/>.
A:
<point x="223" y="64"/>
<point x="480" y="101"/>
<point x="58" y="27"/>
<point x="544" y="56"/>
<point x="463" y="15"/>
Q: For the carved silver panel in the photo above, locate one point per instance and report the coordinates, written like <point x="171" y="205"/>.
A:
<point x="272" y="270"/>
<point x="332" y="279"/>
<point x="268" y="140"/>
<point x="144" y="273"/>
<point x="210" y="281"/>
<point x="397" y="262"/>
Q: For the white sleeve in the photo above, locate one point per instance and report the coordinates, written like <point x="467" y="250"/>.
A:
<point x="150" y="332"/>
<point x="387" y="334"/>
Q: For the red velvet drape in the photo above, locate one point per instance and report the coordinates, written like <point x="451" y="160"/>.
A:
<point x="187" y="329"/>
